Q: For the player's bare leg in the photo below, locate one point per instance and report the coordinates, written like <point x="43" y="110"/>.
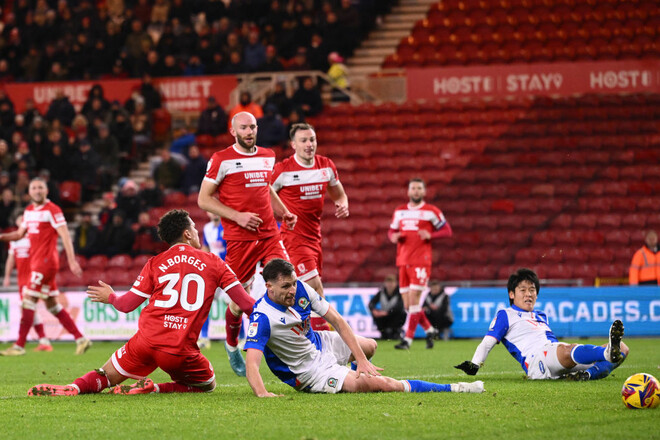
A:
<point x="93" y="382"/>
<point x="372" y="384"/>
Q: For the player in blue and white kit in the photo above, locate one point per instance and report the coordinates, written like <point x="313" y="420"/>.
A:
<point x="314" y="361"/>
<point x="526" y="334"/>
<point x="213" y="241"/>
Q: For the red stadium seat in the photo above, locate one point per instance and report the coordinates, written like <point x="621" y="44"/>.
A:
<point x="121" y="261"/>
<point x="97" y="261"/>
<point x="70" y="192"/>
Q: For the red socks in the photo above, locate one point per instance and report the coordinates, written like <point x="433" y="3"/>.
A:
<point x="39" y="328"/>
<point x="233" y="327"/>
<point x="424" y="321"/>
<point x="413" y="320"/>
<point x="27" y="319"/>
<point x="319" y="323"/>
<point x="66" y="321"/>
<point x="92" y="382"/>
<point x="173" y="387"/>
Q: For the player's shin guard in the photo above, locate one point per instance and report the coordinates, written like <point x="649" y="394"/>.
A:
<point x="587" y="354"/>
<point x="27" y="318"/>
<point x="66" y="321"/>
<point x="421" y="386"/>
<point x="233" y="326"/>
<point x="173" y="387"/>
<point x="93" y="382"/>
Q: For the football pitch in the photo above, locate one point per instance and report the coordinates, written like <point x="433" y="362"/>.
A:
<point x="511" y="407"/>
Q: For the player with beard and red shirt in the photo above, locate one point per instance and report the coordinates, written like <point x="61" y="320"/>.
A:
<point x="180" y="284"/>
<point x="413" y="227"/>
<point x="43" y="222"/>
<point x="301" y="181"/>
<point x="247" y="204"/>
<point x="19" y="256"/>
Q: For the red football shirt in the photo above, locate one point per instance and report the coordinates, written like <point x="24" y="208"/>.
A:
<point x="411" y="249"/>
<point x="41" y="223"/>
<point x="20" y="249"/>
<point x="180" y="284"/>
<point x="302" y="189"/>
<point x="243" y="184"/>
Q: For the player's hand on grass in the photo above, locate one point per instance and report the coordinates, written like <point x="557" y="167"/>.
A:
<point x="75" y="268"/>
<point x="468" y="367"/>
<point x="100" y="293"/>
<point x="367" y="368"/>
<point x="269" y="394"/>
<point x="290" y="220"/>
<point x="248" y="220"/>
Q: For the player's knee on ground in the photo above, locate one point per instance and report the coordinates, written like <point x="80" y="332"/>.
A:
<point x="371" y="384"/>
<point x="369" y="346"/>
<point x="208" y="387"/>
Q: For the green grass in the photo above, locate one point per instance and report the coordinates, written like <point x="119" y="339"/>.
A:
<point x="512" y="407"/>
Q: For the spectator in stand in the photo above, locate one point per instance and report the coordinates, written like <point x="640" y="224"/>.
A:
<point x="58" y="164"/>
<point x="308" y="98"/>
<point x="30" y="111"/>
<point x="107" y="147"/>
<point x="7" y="206"/>
<point x="122" y="130"/>
<point x="61" y="108"/>
<point x="235" y="64"/>
<point x="271" y="62"/>
<point x="194" y="67"/>
<point x="387" y="310"/>
<point x="245" y="104"/>
<point x="438" y="309"/>
<point x="299" y="61"/>
<point x="280" y="99"/>
<point x="128" y="201"/>
<point x="338" y="73"/>
<point x="272" y="131"/>
<point x="117" y="237"/>
<point x="96" y="92"/>
<point x="213" y="119"/>
<point x="53" y="187"/>
<point x="183" y="139"/>
<point x="171" y="66"/>
<point x="194" y="172"/>
<point x="254" y="52"/>
<point x="37" y="138"/>
<point x="7" y="119"/>
<point x="151" y="95"/>
<point x="21" y="189"/>
<point x="217" y="64"/>
<point x="137" y="40"/>
<point x="168" y="172"/>
<point x="23" y="160"/>
<point x="6" y="158"/>
<point x="295" y="116"/>
<point x="141" y="123"/>
<point x="146" y="236"/>
<point x="150" y="195"/>
<point x="86" y="236"/>
<point x="84" y="165"/>
<point x="645" y="264"/>
<point x="318" y="53"/>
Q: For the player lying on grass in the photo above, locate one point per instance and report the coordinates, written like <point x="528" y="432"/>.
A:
<point x="316" y="361"/>
<point x="526" y="334"/>
<point x="180" y="284"/>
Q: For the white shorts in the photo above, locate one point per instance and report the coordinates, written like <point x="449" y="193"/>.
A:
<point x="327" y="373"/>
<point x="544" y="364"/>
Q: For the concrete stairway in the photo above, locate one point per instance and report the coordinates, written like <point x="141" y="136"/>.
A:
<point x="383" y="41"/>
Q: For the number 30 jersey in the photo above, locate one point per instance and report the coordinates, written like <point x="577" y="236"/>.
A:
<point x="180" y="285"/>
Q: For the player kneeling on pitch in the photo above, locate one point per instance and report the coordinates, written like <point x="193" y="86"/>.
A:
<point x="526" y="334"/>
<point x="180" y="284"/>
<point x="315" y="361"/>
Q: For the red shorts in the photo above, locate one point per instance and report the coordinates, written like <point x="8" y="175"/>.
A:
<point x="137" y="360"/>
<point x="42" y="282"/>
<point x="306" y="256"/>
<point x="413" y="278"/>
<point x="243" y="256"/>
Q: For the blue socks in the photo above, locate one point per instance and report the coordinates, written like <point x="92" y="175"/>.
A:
<point x="421" y="386"/>
<point x="602" y="369"/>
<point x="588" y="354"/>
<point x="205" y="328"/>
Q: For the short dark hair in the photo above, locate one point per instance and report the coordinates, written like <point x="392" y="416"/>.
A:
<point x="172" y="225"/>
<point x="295" y="128"/>
<point x="275" y="268"/>
<point x="418" y="180"/>
<point x="522" y="274"/>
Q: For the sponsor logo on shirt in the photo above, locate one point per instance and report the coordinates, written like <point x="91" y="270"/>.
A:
<point x="252" y="330"/>
<point x="332" y="382"/>
<point x="303" y="302"/>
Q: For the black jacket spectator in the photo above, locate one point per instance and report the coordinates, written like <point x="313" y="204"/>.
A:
<point x="128" y="201"/>
<point x="150" y="195"/>
<point x="60" y="108"/>
<point x="117" y="237"/>
<point x="308" y="98"/>
<point x="86" y="236"/>
<point x="194" y="172"/>
<point x="272" y="130"/>
<point x="387" y="310"/>
<point x="213" y="119"/>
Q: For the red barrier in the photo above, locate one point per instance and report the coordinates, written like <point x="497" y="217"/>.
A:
<point x="180" y="93"/>
<point x="560" y="79"/>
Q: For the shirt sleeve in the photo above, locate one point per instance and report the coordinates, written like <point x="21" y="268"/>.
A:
<point x="499" y="326"/>
<point x="334" y="178"/>
<point x="56" y="217"/>
<point x="275" y="180"/>
<point x="258" y="332"/>
<point x="318" y="304"/>
<point x="213" y="172"/>
<point x="143" y="285"/>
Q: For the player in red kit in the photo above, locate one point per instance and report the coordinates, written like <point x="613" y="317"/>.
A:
<point x="413" y="227"/>
<point x="302" y="181"/>
<point x="43" y="222"/>
<point x="180" y="284"/>
<point x="240" y="176"/>
<point x="19" y="256"/>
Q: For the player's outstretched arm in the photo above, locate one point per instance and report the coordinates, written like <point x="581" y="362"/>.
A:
<point x="9" y="266"/>
<point x="252" y="363"/>
<point x="13" y="235"/>
<point x="347" y="335"/>
<point x="480" y="354"/>
<point x="104" y="293"/>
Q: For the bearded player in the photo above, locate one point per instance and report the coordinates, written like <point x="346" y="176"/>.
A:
<point x="240" y="176"/>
